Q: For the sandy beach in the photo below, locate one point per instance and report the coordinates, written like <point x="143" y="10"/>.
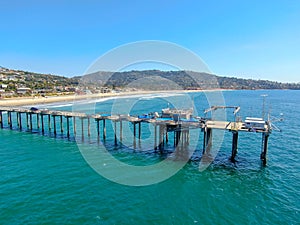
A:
<point x="23" y="101"/>
<point x="31" y="101"/>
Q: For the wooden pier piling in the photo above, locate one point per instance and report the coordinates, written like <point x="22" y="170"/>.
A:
<point x="185" y="142"/>
<point x="155" y="137"/>
<point x="139" y="130"/>
<point x="49" y="123"/>
<point x="74" y="125"/>
<point x="178" y="134"/>
<point x="207" y="140"/>
<point x="174" y="137"/>
<point x="61" y="124"/>
<point x="167" y="137"/>
<point x="121" y="131"/>
<point x="104" y="130"/>
<point x="27" y="120"/>
<point x="161" y="134"/>
<point x="54" y="125"/>
<point x="89" y="127"/>
<point x="98" y="129"/>
<point x="181" y="142"/>
<point x="42" y="122"/>
<point x="38" y="120"/>
<point x="1" y="119"/>
<point x="20" y="120"/>
<point x="30" y="116"/>
<point x="134" y="135"/>
<point x="235" y="136"/>
<point x="115" y="131"/>
<point x="209" y="137"/>
<point x="204" y="140"/>
<point x="263" y="156"/>
<point x="9" y="119"/>
<point x="68" y="126"/>
<point x="82" y="129"/>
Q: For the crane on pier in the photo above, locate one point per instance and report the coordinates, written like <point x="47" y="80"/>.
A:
<point x="214" y="108"/>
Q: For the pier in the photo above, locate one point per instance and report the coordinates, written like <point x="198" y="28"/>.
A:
<point x="179" y="122"/>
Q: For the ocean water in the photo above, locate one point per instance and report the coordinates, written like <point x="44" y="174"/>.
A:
<point x="46" y="180"/>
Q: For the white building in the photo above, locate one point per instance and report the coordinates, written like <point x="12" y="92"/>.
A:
<point x="3" y="86"/>
<point x="23" y="90"/>
<point x="3" y="77"/>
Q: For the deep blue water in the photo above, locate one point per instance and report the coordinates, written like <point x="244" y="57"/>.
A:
<point x="46" y="180"/>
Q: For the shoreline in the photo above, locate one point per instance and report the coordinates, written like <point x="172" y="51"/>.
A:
<point x="31" y="101"/>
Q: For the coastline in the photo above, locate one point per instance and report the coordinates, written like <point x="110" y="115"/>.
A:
<point x="25" y="101"/>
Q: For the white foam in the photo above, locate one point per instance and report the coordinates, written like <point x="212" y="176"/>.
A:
<point x="53" y="105"/>
<point x="98" y="100"/>
<point x="139" y="97"/>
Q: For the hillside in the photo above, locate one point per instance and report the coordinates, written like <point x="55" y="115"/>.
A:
<point x="11" y="81"/>
<point x="156" y="79"/>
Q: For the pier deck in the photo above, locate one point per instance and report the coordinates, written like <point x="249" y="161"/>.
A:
<point x="166" y="124"/>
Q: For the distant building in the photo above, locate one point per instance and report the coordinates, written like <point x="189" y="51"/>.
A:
<point x="105" y="90"/>
<point x="2" y="93"/>
<point x="3" y="86"/>
<point x="71" y="89"/>
<point x="6" y="94"/>
<point x="23" y="90"/>
<point x="12" y="78"/>
<point x="2" y="69"/>
<point x="59" y="88"/>
<point x="44" y="90"/>
<point x="87" y="92"/>
<point x="3" y="77"/>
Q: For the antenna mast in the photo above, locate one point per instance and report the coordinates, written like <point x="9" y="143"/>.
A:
<point x="264" y="104"/>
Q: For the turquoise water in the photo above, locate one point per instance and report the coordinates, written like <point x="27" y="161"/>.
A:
<point x="45" y="180"/>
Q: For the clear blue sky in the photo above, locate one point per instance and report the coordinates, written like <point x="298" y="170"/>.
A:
<point x="250" y="39"/>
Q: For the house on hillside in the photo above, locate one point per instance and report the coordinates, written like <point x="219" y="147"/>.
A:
<point x="12" y="78"/>
<point x="3" y="77"/>
<point x="71" y="89"/>
<point x="4" y="94"/>
<point x="105" y="90"/>
<point x="3" y="86"/>
<point x="23" y="90"/>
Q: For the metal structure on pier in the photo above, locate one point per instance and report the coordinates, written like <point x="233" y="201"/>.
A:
<point x="171" y="120"/>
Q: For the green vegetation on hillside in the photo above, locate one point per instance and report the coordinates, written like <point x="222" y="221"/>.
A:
<point x="12" y="80"/>
<point x="156" y="79"/>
